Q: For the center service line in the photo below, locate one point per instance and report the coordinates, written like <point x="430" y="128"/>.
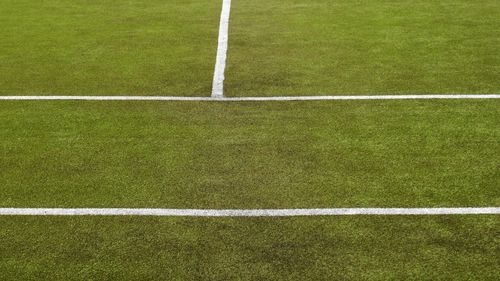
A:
<point x="245" y="213"/>
<point x="220" y="63"/>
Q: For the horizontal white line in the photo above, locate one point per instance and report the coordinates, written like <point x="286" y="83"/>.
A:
<point x="245" y="213"/>
<point x="229" y="99"/>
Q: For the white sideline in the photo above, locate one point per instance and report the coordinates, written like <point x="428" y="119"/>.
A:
<point x="245" y="213"/>
<point x="220" y="63"/>
<point x="231" y="99"/>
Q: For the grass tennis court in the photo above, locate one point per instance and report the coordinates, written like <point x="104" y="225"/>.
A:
<point x="221" y="154"/>
<point x="277" y="48"/>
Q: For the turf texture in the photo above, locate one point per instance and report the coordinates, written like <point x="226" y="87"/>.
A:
<point x="329" y="248"/>
<point x="110" y="47"/>
<point x="250" y="155"/>
<point x="346" y="47"/>
<point x="276" y="47"/>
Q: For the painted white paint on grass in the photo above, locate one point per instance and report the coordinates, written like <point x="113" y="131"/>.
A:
<point x="220" y="63"/>
<point x="245" y="213"/>
<point x="108" y="98"/>
<point x="372" y="97"/>
<point x="229" y="99"/>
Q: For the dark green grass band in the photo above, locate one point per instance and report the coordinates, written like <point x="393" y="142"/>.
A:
<point x="313" y="248"/>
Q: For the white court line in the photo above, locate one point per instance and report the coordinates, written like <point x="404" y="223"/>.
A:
<point x="230" y="99"/>
<point x="220" y="63"/>
<point x="246" y="213"/>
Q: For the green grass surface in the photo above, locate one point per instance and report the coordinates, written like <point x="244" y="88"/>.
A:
<point x="328" y="248"/>
<point x="110" y="47"/>
<point x="323" y="154"/>
<point x="250" y="155"/>
<point x="324" y="47"/>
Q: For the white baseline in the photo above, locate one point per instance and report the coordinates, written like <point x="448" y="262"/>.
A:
<point x="245" y="213"/>
<point x="242" y="99"/>
<point x="220" y="63"/>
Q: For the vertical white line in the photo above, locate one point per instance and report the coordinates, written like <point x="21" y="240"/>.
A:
<point x="220" y="64"/>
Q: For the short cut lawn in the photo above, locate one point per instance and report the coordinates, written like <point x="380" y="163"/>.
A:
<point x="324" y="47"/>
<point x="314" y="248"/>
<point x="250" y="155"/>
<point x="108" y="47"/>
